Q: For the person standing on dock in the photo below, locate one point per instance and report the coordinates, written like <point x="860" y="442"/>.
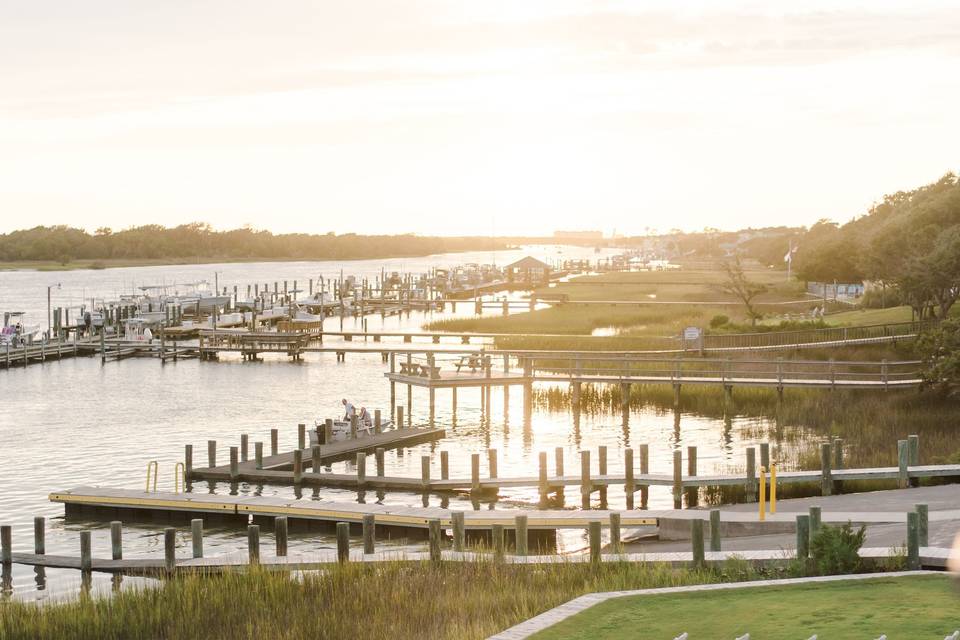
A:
<point x="349" y="410"/>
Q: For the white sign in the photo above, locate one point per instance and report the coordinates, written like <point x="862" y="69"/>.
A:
<point x="691" y="333"/>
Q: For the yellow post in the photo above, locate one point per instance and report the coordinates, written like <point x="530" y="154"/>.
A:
<point x="773" y="488"/>
<point x="152" y="465"/>
<point x="763" y="493"/>
<point x="178" y="478"/>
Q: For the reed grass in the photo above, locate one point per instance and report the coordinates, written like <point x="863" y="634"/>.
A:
<point x="394" y="600"/>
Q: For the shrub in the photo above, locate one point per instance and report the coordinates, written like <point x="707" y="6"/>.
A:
<point x="719" y="321"/>
<point x="836" y="549"/>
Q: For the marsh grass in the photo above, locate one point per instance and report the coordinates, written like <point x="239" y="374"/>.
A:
<point x="393" y="600"/>
<point x="869" y="422"/>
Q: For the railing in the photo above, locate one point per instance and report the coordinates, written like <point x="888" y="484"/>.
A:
<point x="812" y="336"/>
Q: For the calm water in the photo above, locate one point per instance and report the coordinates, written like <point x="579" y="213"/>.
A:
<point x="75" y="422"/>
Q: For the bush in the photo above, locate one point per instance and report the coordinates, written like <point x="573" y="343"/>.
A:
<point x="940" y="350"/>
<point x="718" y="321"/>
<point x="836" y="549"/>
<point x="880" y="299"/>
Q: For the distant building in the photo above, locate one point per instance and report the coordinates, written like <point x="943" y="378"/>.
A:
<point x="578" y="235"/>
<point x="527" y="270"/>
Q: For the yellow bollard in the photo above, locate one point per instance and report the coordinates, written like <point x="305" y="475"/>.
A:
<point x="773" y="488"/>
<point x="763" y="493"/>
<point x="152" y="466"/>
<point x="179" y="477"/>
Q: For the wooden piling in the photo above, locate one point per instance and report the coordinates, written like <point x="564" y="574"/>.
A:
<point x="629" y="485"/>
<point x="677" y="480"/>
<point x="520" y="534"/>
<point x="542" y="478"/>
<point x="586" y="482"/>
<point x="923" y="524"/>
<point x="715" y="530"/>
<point x="751" y="479"/>
<point x="913" y="446"/>
<point x="369" y="533"/>
<point x="258" y="454"/>
<point x="913" y="541"/>
<point x="816" y="515"/>
<point x="433" y="527"/>
<point x="170" y="548"/>
<point x="187" y="461"/>
<point x="765" y="455"/>
<point x="280" y="534"/>
<point x="377" y="421"/>
<point x="644" y="470"/>
<point x="496" y="532"/>
<point x="457" y="521"/>
<point x="903" y="460"/>
<point x="6" y="544"/>
<point x="234" y="468"/>
<point x="361" y="469"/>
<point x="211" y="453"/>
<point x="803" y="537"/>
<point x="692" y="492"/>
<point x="343" y="542"/>
<point x="475" y="472"/>
<point x="253" y="543"/>
<point x="244" y="446"/>
<point x="444" y="465"/>
<point x="615" y="543"/>
<point x="196" y="537"/>
<point x="425" y="472"/>
<point x="826" y="475"/>
<point x="593" y="533"/>
<point x="40" y="535"/>
<point x="602" y="471"/>
<point x="400" y="423"/>
<point x="274" y="433"/>
<point x="301" y="436"/>
<point x="696" y="540"/>
<point x="297" y="466"/>
<point x="492" y="462"/>
<point x="86" y="555"/>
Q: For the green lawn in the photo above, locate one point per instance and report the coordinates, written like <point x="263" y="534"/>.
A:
<point x="912" y="608"/>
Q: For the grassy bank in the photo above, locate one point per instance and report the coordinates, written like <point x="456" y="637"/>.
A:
<point x="854" y="609"/>
<point x="391" y="600"/>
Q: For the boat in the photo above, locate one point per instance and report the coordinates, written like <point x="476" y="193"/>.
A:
<point x="16" y="332"/>
<point x="341" y="430"/>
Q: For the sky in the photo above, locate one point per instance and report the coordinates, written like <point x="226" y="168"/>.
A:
<point x="504" y="117"/>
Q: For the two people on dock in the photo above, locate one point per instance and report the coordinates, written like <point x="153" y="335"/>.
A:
<point x="363" y="417"/>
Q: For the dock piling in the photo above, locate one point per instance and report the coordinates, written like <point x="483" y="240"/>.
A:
<point x="297" y="466"/>
<point x="492" y="463"/>
<point x="234" y="468"/>
<point x="475" y="472"/>
<point x="803" y="536"/>
<point x="751" y="479"/>
<point x="444" y="465"/>
<point x="280" y="533"/>
<point x="496" y="531"/>
<point x="586" y="482"/>
<point x="424" y="472"/>
<point x="315" y="459"/>
<point x="86" y="555"/>
<point x="923" y="524"/>
<point x="678" y="479"/>
<point x="826" y="474"/>
<point x="170" y="548"/>
<point x="301" y="436"/>
<point x="39" y="535"/>
<point x="520" y="534"/>
<point x="913" y="541"/>
<point x="715" y="530"/>
<point x="457" y="522"/>
<point x="273" y="441"/>
<point x="196" y="537"/>
<point x="6" y="544"/>
<point x="258" y="454"/>
<point x="435" y="534"/>
<point x="593" y="532"/>
<point x="211" y="453"/>
<point x="343" y="542"/>
<point x="629" y="485"/>
<point x="615" y="543"/>
<point x="369" y="533"/>
<point x="696" y="539"/>
<point x="903" y="459"/>
<point x="253" y="543"/>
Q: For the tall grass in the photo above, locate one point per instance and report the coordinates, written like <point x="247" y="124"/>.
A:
<point x="388" y="600"/>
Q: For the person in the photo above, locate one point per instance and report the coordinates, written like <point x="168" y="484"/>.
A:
<point x="364" y="417"/>
<point x="349" y="410"/>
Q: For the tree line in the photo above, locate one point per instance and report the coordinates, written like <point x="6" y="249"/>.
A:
<point x="64" y="244"/>
<point x="909" y="242"/>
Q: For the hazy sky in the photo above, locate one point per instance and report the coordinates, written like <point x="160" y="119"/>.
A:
<point x="511" y="117"/>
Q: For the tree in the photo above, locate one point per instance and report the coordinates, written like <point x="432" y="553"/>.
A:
<point x="738" y="284"/>
<point x="940" y="350"/>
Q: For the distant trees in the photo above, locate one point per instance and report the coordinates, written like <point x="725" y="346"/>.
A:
<point x="738" y="284"/>
<point x="940" y="350"/>
<point x="199" y="241"/>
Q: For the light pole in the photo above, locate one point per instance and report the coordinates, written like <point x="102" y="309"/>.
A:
<point x="49" y="320"/>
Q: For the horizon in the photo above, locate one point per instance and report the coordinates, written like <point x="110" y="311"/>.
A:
<point x="459" y="119"/>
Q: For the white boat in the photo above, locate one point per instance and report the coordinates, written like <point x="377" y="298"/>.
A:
<point x="16" y="332"/>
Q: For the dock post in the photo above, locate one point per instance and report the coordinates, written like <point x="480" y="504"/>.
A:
<point x="751" y="479"/>
<point x="169" y="548"/>
<point x="693" y="493"/>
<point x="826" y="476"/>
<point x="343" y="542"/>
<point x="913" y="541"/>
<point x="558" y="462"/>
<point x="253" y="543"/>
<point x="602" y="470"/>
<point x="301" y="436"/>
<point x="765" y="455"/>
<point x="410" y="405"/>
<point x="258" y="454"/>
<point x="586" y="482"/>
<point x="629" y="484"/>
<point x="837" y="461"/>
<point x="425" y="472"/>
<point x="453" y="404"/>
<point x="39" y="535"/>
<point x="400" y="417"/>
<point x="593" y="532"/>
<point x="678" y="479"/>
<point x="273" y="441"/>
<point x="434" y="528"/>
<point x="625" y="401"/>
<point x="816" y="517"/>
<point x="615" y="543"/>
<point x="715" y="530"/>
<point x="520" y="535"/>
<point x="496" y="531"/>
<point x="923" y="524"/>
<point x="244" y="447"/>
<point x="353" y="427"/>
<point x="187" y="462"/>
<point x="116" y="540"/>
<point x="459" y="534"/>
<point x="378" y="455"/>
<point x="315" y="459"/>
<point x="444" y="465"/>
<point x="369" y="533"/>
<point x="86" y="556"/>
<point x="328" y="430"/>
<point x="903" y="459"/>
<point x="361" y="469"/>
<point x="377" y="424"/>
<point x="644" y="471"/>
<point x="475" y="472"/>
<point x="492" y="463"/>
<point x="575" y="398"/>
<point x="234" y="468"/>
<point x="433" y="405"/>
<point x="196" y="537"/>
<point x="913" y="444"/>
<point x="280" y="533"/>
<point x="696" y="539"/>
<point x="211" y="453"/>
<point x="297" y="466"/>
<point x="6" y="544"/>
<point x="544" y="487"/>
<point x="803" y="537"/>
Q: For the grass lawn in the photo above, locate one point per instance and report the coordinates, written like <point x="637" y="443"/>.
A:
<point x="870" y="316"/>
<point x="911" y="608"/>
